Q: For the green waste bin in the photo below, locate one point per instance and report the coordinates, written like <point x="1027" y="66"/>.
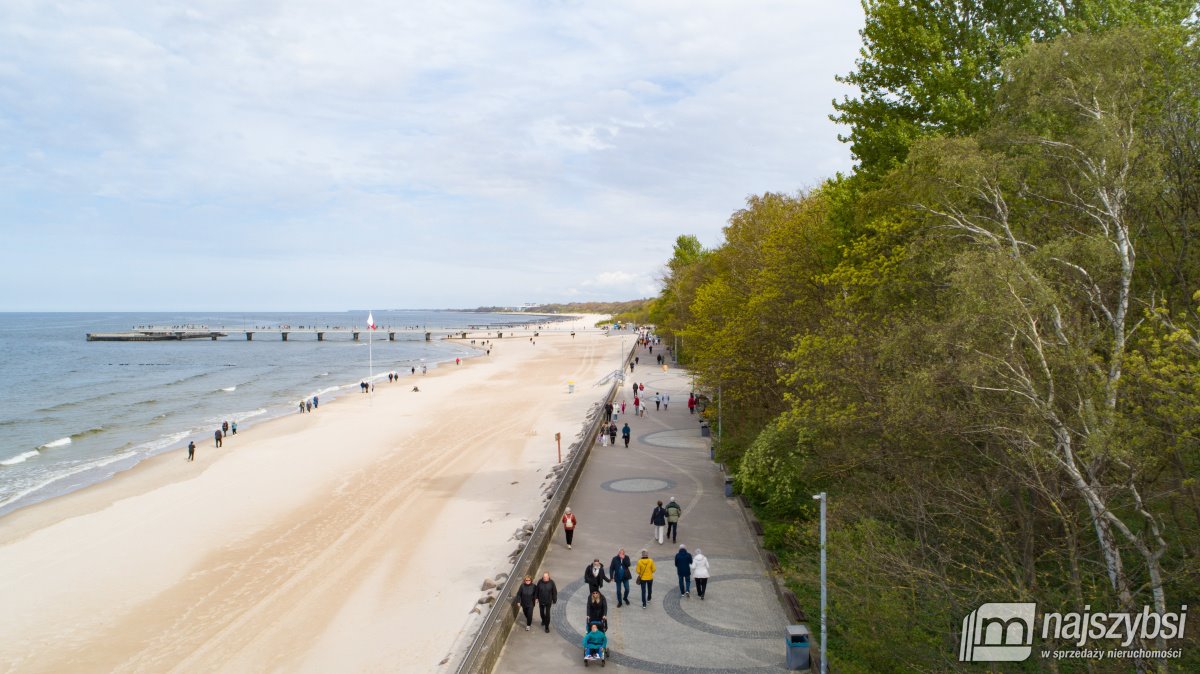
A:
<point x="797" y="639"/>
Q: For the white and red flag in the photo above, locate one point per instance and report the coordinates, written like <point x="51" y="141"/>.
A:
<point x="370" y="321"/>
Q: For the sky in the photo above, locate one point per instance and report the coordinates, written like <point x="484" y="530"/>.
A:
<point x="299" y="155"/>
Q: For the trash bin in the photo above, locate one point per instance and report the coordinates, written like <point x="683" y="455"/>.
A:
<point x="797" y="647"/>
<point x="705" y="430"/>
<point x="728" y="486"/>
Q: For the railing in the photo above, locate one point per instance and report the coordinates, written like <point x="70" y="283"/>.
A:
<point x="485" y="648"/>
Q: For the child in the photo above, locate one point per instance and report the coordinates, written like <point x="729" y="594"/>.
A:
<point x="594" y="643"/>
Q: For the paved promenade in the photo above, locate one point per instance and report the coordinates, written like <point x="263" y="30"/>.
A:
<point x="739" y="627"/>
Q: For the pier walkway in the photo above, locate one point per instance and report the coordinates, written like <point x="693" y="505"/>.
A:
<point x="740" y="625"/>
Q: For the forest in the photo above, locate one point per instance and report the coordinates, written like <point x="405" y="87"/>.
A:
<point x="983" y="342"/>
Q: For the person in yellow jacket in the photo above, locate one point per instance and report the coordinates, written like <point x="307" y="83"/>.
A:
<point x="645" y="577"/>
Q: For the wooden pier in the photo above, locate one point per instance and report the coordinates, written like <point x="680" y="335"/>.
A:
<point x="165" y="334"/>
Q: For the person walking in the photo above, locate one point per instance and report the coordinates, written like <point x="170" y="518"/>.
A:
<point x="547" y="596"/>
<point x="192" y="451"/>
<point x="619" y="574"/>
<point x="597" y="610"/>
<point x="302" y="407"/>
<point x="645" y="577"/>
<point x="612" y="434"/>
<point x="691" y="403"/>
<point x="683" y="568"/>
<point x="594" y="575"/>
<point x="635" y="389"/>
<point x="658" y="517"/>
<point x="637" y="402"/>
<point x="568" y="522"/>
<point x="526" y="597"/>
<point x="316" y="402"/>
<point x="674" y="512"/>
<point x="666" y="401"/>
<point x="657" y="401"/>
<point x="217" y="437"/>
<point x="642" y="409"/>
<point x="225" y="428"/>
<point x="625" y="433"/>
<point x="608" y="410"/>
<point x="233" y="428"/>
<point x="700" y="572"/>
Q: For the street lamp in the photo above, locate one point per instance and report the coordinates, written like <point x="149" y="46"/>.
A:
<point x="821" y="497"/>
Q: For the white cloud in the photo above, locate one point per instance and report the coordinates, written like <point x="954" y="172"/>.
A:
<point x="538" y="140"/>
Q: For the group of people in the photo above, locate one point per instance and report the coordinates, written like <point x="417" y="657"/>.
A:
<point x="226" y="429"/>
<point x="310" y="404"/>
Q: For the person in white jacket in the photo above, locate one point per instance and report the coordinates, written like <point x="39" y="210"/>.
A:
<point x="700" y="572"/>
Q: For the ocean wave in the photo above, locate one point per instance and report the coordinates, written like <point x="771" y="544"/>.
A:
<point x="61" y="442"/>
<point x="20" y="458"/>
<point x="184" y="380"/>
<point x="84" y="434"/>
<point x="251" y="414"/>
<point x="75" y="470"/>
<point x="229" y="389"/>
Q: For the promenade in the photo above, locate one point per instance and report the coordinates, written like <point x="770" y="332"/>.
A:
<point x="739" y="627"/>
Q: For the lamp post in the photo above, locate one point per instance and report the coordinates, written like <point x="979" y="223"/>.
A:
<point x="821" y="497"/>
<point x="718" y="414"/>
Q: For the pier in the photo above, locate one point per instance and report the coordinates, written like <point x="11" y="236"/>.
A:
<point x="164" y="334"/>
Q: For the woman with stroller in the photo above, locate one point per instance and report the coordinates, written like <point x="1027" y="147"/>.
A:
<point x="597" y="610"/>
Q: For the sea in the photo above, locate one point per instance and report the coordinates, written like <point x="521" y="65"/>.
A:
<point x="74" y="412"/>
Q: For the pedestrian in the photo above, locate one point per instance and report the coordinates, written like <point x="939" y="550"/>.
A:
<point x="645" y="577"/>
<point x="597" y="610"/>
<point x="642" y="409"/>
<point x="636" y="402"/>
<point x="414" y="369"/>
<point x="192" y="451"/>
<point x="458" y="361"/>
<point x="683" y="567"/>
<point x="316" y="402"/>
<point x="625" y="433"/>
<point x="225" y="428"/>
<point x="618" y="575"/>
<point x="526" y="596"/>
<point x="301" y="407"/>
<point x="657" y="401"/>
<point x="658" y="517"/>
<point x="217" y="437"/>
<point x="666" y="401"/>
<point x="568" y="522"/>
<point x="608" y="410"/>
<point x="674" y="512"/>
<point x="637" y="360"/>
<point x="310" y="406"/>
<point x="604" y="435"/>
<point x="233" y="428"/>
<point x="622" y="406"/>
<point x="691" y="403"/>
<point x="612" y="434"/>
<point x="594" y="575"/>
<point x="631" y="368"/>
<point x="700" y="572"/>
<point x="635" y="388"/>
<point x="547" y="596"/>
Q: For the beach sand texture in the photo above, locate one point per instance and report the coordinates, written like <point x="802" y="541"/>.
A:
<point x="352" y="539"/>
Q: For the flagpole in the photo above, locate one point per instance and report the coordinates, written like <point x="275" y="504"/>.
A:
<point x="370" y="353"/>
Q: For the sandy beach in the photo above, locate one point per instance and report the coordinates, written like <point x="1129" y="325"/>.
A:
<point x="352" y="539"/>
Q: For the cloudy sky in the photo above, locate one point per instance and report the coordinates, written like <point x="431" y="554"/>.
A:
<point x="303" y="155"/>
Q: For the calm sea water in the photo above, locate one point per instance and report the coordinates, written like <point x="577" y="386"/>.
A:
<point x="74" y="412"/>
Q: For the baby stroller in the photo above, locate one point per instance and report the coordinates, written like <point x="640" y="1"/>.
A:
<point x="595" y="644"/>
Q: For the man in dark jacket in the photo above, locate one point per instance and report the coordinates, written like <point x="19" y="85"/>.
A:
<point x="526" y="596"/>
<point x="683" y="567"/>
<point x="658" y="517"/>
<point x="625" y="433"/>
<point x="594" y="576"/>
<point x="619" y="574"/>
<point x="547" y="596"/>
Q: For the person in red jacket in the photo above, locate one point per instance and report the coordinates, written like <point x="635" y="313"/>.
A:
<point x="568" y="522"/>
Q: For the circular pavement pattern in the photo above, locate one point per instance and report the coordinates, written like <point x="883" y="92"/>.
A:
<point x="638" y="485"/>
<point x="676" y="439"/>
<point x="681" y="625"/>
